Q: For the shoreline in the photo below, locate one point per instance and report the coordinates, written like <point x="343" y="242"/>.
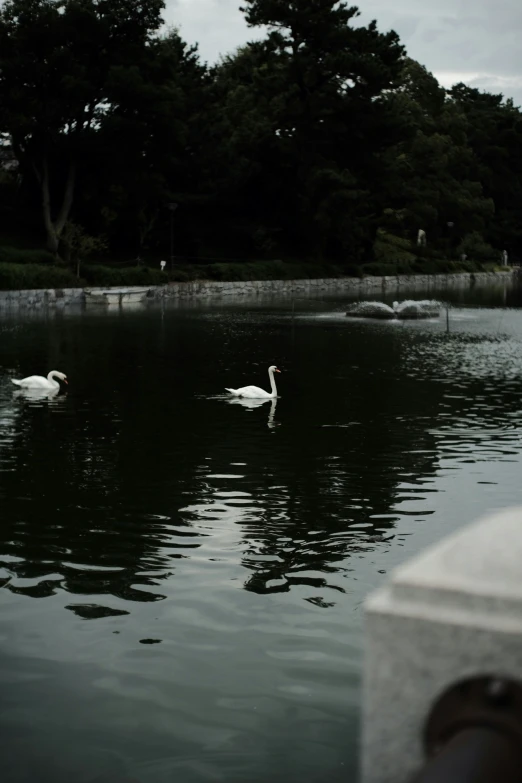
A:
<point x="201" y="289"/>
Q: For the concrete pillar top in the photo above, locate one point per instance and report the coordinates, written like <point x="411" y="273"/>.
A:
<point x="477" y="569"/>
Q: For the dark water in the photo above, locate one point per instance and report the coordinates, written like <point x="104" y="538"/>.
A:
<point x="182" y="577"/>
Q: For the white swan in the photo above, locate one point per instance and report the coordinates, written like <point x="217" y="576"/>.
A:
<point x="39" y="382"/>
<point x="254" y="392"/>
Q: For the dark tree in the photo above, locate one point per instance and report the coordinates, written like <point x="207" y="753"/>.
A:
<point x="57" y="61"/>
<point x="306" y="106"/>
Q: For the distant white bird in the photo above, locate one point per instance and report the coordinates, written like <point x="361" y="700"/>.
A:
<point x="39" y="382"/>
<point x="163" y="264"/>
<point x="254" y="392"/>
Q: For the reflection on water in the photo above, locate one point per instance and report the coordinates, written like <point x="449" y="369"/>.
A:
<point x="182" y="572"/>
<point x="256" y="403"/>
<point x="36" y="395"/>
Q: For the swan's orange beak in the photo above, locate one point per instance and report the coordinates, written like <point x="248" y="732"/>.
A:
<point x="66" y="381"/>
<point x="277" y="370"/>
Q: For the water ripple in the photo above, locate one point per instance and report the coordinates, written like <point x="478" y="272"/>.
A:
<point x="200" y="564"/>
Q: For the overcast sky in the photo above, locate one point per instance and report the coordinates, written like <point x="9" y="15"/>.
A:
<point x="475" y="41"/>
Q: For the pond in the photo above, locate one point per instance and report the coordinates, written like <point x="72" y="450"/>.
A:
<point x="182" y="575"/>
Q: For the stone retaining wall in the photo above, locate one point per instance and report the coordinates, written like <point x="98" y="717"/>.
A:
<point x="206" y="289"/>
<point x="333" y="285"/>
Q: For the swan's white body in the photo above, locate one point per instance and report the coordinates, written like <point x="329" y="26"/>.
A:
<point x="39" y="382"/>
<point x="255" y="392"/>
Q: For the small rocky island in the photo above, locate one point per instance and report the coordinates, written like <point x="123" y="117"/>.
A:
<point x="408" y="309"/>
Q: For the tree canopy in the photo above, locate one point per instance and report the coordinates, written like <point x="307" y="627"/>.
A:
<point x="322" y="140"/>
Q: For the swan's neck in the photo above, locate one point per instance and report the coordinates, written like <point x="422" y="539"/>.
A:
<point x="51" y="378"/>
<point x="273" y="387"/>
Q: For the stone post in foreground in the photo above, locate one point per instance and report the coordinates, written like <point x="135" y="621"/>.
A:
<point x="443" y="660"/>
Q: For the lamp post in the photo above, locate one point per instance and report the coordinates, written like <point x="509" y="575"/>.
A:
<point x="172" y="207"/>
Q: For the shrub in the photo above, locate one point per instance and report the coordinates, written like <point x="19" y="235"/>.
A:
<point x="379" y="269"/>
<point x="20" y="276"/>
<point x="187" y="273"/>
<point x="352" y="270"/>
<point x="96" y="275"/>
<point x="79" y="245"/>
<point x="468" y="266"/>
<point x="270" y="270"/>
<point x="476" y="248"/>
<point x="179" y="276"/>
<point x="444" y="267"/>
<point x="223" y="272"/>
<point x="391" y="249"/>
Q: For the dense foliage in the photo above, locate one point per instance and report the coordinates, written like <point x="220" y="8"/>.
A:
<point x="321" y="142"/>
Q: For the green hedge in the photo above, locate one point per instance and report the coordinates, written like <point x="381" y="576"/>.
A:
<point x="424" y="267"/>
<point x="269" y="270"/>
<point x="245" y="271"/>
<point x="381" y="269"/>
<point x="126" y="276"/>
<point x="26" y="275"/>
<point x="432" y="267"/>
<point x="19" y="276"/>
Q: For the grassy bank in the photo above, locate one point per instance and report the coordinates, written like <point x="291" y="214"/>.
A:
<point x="35" y="269"/>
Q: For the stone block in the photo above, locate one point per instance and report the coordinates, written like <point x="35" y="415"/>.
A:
<point x="453" y="612"/>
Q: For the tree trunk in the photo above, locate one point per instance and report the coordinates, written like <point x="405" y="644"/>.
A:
<point x="54" y="228"/>
<point x="145" y="229"/>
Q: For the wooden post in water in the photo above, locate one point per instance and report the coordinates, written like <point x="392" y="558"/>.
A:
<point x="443" y="662"/>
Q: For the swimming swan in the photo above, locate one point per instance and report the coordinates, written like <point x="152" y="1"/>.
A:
<point x="254" y="392"/>
<point x="39" y="382"/>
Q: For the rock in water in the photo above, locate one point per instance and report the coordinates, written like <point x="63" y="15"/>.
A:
<point x="371" y="310"/>
<point x="410" y="308"/>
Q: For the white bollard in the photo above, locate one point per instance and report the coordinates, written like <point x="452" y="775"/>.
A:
<point x="452" y="613"/>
